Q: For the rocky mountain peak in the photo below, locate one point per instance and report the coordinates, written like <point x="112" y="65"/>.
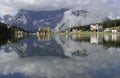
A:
<point x="7" y="18"/>
<point x="79" y="12"/>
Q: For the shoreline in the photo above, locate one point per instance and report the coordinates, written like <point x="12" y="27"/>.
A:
<point x="86" y="33"/>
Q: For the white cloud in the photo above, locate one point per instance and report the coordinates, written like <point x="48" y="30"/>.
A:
<point x="7" y="10"/>
<point x="11" y="6"/>
<point x="5" y="57"/>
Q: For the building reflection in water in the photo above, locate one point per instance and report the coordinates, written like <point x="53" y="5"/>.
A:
<point x="44" y="37"/>
<point x="74" y="37"/>
<point x="112" y="37"/>
<point x="71" y="44"/>
<point x="18" y="36"/>
<point x="96" y="39"/>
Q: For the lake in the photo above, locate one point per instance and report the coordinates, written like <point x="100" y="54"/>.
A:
<point x="60" y="56"/>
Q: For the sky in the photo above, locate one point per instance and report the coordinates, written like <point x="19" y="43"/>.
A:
<point x="12" y="6"/>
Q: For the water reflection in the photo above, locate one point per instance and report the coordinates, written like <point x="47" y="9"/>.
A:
<point x="9" y="39"/>
<point x="44" y="37"/>
<point x="96" y="39"/>
<point x="33" y="47"/>
<point x="108" y="40"/>
<point x="112" y="37"/>
<point x="80" y="53"/>
<point x="63" y="56"/>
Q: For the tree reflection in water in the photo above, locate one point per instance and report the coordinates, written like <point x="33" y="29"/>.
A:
<point x="112" y="40"/>
<point x="9" y="39"/>
<point x="44" y="37"/>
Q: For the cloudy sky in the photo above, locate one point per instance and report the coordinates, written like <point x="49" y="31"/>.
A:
<point x="12" y="6"/>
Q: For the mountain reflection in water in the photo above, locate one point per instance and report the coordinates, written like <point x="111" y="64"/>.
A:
<point x="61" y="56"/>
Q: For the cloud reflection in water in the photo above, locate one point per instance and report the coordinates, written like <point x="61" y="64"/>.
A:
<point x="100" y="61"/>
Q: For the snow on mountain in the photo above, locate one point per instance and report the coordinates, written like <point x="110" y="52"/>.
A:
<point x="72" y="18"/>
<point x="78" y="17"/>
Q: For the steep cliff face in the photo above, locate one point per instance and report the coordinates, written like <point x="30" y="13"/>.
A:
<point x="32" y="20"/>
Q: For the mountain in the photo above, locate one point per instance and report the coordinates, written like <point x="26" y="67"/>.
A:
<point x="58" y="20"/>
<point x="6" y="19"/>
<point x="32" y="20"/>
<point x="76" y="17"/>
<point x="72" y="18"/>
<point x="0" y="19"/>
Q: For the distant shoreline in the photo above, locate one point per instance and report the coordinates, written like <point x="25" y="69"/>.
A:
<point x="85" y="33"/>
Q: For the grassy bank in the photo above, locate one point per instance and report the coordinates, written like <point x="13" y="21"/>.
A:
<point x="86" y="33"/>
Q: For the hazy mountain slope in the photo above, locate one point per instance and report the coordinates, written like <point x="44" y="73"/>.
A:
<point x="75" y="17"/>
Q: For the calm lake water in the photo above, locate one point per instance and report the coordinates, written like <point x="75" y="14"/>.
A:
<point x="60" y="56"/>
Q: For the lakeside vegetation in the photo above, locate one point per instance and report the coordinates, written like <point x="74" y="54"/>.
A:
<point x="111" y="23"/>
<point x="86" y="33"/>
<point x="105" y="24"/>
<point x="11" y="33"/>
<point x="108" y="41"/>
<point x="4" y="30"/>
<point x="10" y="30"/>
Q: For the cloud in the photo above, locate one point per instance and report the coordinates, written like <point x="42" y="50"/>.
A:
<point x="8" y="6"/>
<point x="42" y="4"/>
<point x="5" y="57"/>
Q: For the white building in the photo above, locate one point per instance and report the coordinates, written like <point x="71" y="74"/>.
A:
<point x="110" y="30"/>
<point x="96" y="27"/>
<point x="74" y="30"/>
